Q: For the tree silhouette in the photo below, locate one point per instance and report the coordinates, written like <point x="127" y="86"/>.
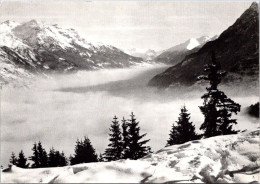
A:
<point x="137" y="148"/>
<point x="125" y="138"/>
<point x="39" y="157"/>
<point x="35" y="157"/>
<point x="43" y="157"/>
<point x="115" y="147"/>
<point x="184" y="131"/>
<point x="52" y="162"/>
<point x="56" y="159"/>
<point x="62" y="160"/>
<point x="217" y="107"/>
<point x="22" y="160"/>
<point x="84" y="152"/>
<point x="13" y="159"/>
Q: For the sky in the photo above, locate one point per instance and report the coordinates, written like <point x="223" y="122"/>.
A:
<point x="142" y="25"/>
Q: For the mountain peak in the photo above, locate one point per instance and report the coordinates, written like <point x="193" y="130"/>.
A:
<point x="193" y="42"/>
<point x="237" y="50"/>
<point x="32" y="23"/>
<point x="254" y="6"/>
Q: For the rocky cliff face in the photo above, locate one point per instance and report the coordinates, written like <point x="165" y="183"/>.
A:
<point x="237" y="50"/>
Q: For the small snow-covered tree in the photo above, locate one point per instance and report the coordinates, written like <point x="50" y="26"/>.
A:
<point x="184" y="131"/>
<point x="115" y="147"/>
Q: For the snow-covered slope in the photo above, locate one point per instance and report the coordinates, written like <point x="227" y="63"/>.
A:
<point x="231" y="158"/>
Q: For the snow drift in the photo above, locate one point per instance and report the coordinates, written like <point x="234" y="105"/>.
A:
<point x="230" y="158"/>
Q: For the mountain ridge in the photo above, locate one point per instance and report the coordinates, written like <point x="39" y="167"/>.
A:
<point x="236" y="49"/>
<point x="177" y="53"/>
<point x="52" y="49"/>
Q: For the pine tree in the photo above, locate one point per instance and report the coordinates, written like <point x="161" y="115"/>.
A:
<point x="35" y="157"/>
<point x="217" y="107"/>
<point x="184" y="131"/>
<point x="76" y="159"/>
<point x="62" y="159"/>
<point x="84" y="152"/>
<point x="13" y="159"/>
<point x="115" y="147"/>
<point x="125" y="138"/>
<point x="43" y="158"/>
<point x="22" y="161"/>
<point x="52" y="161"/>
<point x="137" y="148"/>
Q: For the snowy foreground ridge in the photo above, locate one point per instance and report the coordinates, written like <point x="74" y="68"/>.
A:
<point x="231" y="158"/>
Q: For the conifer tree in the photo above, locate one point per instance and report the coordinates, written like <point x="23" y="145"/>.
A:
<point x="184" y="131"/>
<point x="35" y="157"/>
<point x="125" y="138"/>
<point x="62" y="159"/>
<point x="137" y="148"/>
<point x="13" y="159"/>
<point x="22" y="160"/>
<point x="217" y="107"/>
<point x="115" y="147"/>
<point x="84" y="152"/>
<point x="52" y="161"/>
<point x="43" y="157"/>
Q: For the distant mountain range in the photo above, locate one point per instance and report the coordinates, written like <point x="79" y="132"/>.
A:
<point x="33" y="47"/>
<point x="176" y="54"/>
<point x="237" y="50"/>
<point x="147" y="55"/>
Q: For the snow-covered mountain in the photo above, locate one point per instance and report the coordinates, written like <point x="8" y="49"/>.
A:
<point x="221" y="159"/>
<point x="177" y="53"/>
<point x="41" y="48"/>
<point x="147" y="55"/>
<point x="236" y="48"/>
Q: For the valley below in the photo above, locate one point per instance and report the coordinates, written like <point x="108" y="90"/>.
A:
<point x="62" y="108"/>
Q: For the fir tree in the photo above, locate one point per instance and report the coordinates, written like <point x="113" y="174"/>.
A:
<point x="115" y="147"/>
<point x="43" y="158"/>
<point x="184" y="131"/>
<point x="13" y="159"/>
<point x="125" y="138"/>
<point x="35" y="157"/>
<point x="52" y="161"/>
<point x="84" y="152"/>
<point x="22" y="160"/>
<point x="56" y="159"/>
<point x="137" y="148"/>
<point x="217" y="107"/>
<point x="62" y="159"/>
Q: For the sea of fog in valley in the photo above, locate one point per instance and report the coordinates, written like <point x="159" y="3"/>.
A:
<point x="62" y="108"/>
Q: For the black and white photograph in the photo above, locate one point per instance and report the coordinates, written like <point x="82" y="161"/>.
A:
<point x="127" y="91"/>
